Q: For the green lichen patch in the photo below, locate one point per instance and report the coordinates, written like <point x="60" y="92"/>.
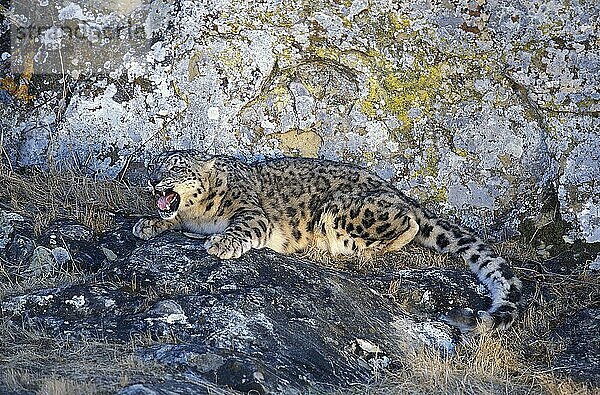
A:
<point x="407" y="95"/>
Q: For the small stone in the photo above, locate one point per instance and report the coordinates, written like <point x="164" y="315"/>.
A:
<point x="208" y="362"/>
<point x="595" y="264"/>
<point x="166" y="307"/>
<point x="42" y="262"/>
<point x="176" y="318"/>
<point x="110" y="255"/>
<point x="366" y="346"/>
<point x="61" y="255"/>
<point x="228" y="288"/>
<point x="77" y="301"/>
<point x="258" y="376"/>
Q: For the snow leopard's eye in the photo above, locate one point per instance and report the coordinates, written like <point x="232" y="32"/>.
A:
<point x="178" y="169"/>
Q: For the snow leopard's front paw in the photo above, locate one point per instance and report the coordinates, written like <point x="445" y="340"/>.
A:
<point x="146" y="228"/>
<point x="226" y="246"/>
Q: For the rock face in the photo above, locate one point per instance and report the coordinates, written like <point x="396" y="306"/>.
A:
<point x="478" y="106"/>
<point x="579" y="336"/>
<point x="264" y="322"/>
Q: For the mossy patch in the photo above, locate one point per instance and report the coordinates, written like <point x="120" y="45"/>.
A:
<point x="431" y="165"/>
<point x="231" y="59"/>
<point x="408" y="95"/>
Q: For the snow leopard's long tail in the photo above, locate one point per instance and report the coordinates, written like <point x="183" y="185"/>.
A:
<point x="492" y="270"/>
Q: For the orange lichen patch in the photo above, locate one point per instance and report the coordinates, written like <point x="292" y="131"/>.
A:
<point x="19" y="87"/>
<point x="19" y="90"/>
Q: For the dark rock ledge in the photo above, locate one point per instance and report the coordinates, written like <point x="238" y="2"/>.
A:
<point x="265" y="322"/>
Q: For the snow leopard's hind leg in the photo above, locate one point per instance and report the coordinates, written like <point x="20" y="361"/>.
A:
<point x="358" y="224"/>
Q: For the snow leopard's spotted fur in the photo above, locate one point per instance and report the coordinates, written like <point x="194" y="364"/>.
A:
<point x="292" y="204"/>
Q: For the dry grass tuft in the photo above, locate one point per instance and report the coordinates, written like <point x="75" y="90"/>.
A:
<point x="552" y="385"/>
<point x="26" y="283"/>
<point x="31" y="360"/>
<point x="46" y="196"/>
<point x="486" y="365"/>
<point x="428" y="372"/>
<point x="60" y="386"/>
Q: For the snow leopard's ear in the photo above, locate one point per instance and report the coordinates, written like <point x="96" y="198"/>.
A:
<point x="205" y="165"/>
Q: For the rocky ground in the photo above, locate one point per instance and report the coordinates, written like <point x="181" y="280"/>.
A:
<point x="103" y="309"/>
<point x="265" y="322"/>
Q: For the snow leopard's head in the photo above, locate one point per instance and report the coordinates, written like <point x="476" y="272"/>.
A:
<point x="178" y="179"/>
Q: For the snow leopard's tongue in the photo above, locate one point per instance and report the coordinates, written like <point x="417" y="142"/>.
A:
<point x="164" y="202"/>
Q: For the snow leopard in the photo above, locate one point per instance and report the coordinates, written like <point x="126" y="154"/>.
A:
<point x="292" y="204"/>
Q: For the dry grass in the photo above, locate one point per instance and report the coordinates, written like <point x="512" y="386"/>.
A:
<point x="31" y="360"/>
<point x="47" y="195"/>
<point x="487" y="365"/>
<point x="516" y="362"/>
<point x="57" y="278"/>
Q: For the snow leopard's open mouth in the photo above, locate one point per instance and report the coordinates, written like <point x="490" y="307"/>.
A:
<point x="167" y="202"/>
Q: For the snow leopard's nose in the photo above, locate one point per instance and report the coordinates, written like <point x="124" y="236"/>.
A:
<point x="153" y="180"/>
<point x="152" y="183"/>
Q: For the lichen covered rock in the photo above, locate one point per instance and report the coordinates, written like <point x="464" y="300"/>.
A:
<point x="477" y="106"/>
